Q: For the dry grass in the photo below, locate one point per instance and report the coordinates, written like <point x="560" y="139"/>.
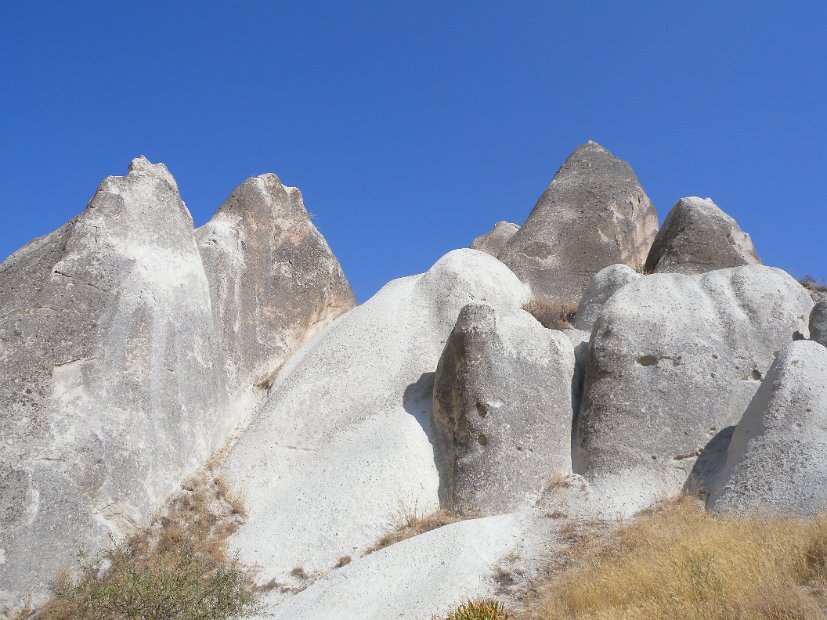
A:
<point x="177" y="568"/>
<point x="814" y="285"/>
<point x="411" y="524"/>
<point x="681" y="562"/>
<point x="551" y="314"/>
<point x="479" y="610"/>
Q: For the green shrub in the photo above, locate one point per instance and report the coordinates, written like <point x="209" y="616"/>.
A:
<point x="177" y="569"/>
<point x="181" y="585"/>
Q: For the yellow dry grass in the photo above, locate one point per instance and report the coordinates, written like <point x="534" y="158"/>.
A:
<point x="412" y="524"/>
<point x="678" y="561"/>
<point x="551" y="314"/>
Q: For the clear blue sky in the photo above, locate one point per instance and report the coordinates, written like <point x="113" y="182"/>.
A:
<point x="412" y="127"/>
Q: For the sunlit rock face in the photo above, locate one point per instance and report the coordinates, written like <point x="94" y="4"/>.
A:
<point x="111" y="386"/>
<point x="592" y="215"/>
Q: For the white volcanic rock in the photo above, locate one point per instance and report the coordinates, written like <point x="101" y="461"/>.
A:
<point x="344" y="443"/>
<point x="592" y="215"/>
<point x="776" y="460"/>
<point x="601" y="287"/>
<point x="502" y="410"/>
<point x="494" y="240"/>
<point x="273" y="278"/>
<point x="673" y="360"/>
<point x="697" y="237"/>
<point x="111" y="388"/>
<point x="415" y="579"/>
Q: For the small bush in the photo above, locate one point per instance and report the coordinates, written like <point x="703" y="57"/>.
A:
<point x="479" y="610"/>
<point x="412" y="524"/>
<point x="551" y="314"/>
<point x="177" y="569"/>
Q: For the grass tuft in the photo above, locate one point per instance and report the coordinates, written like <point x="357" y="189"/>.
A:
<point x="551" y="314"/>
<point x="479" y="610"/>
<point x="412" y="524"/>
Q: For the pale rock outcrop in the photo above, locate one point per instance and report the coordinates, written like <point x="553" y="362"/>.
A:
<point x="601" y="287"/>
<point x="111" y="388"/>
<point x="273" y="278"/>
<point x="494" y="240"/>
<point x="776" y="460"/>
<point x="673" y="360"/>
<point x="592" y="215"/>
<point x="344" y="442"/>
<point x="697" y="237"/>
<point x="502" y="410"/>
<point x="419" y="578"/>
<point x="818" y="323"/>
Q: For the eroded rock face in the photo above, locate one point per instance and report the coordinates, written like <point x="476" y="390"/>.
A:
<point x="502" y="410"/>
<point x="775" y="463"/>
<point x="673" y="360"/>
<point x="601" y="287"/>
<point x="273" y="278"/>
<point x="697" y="237"/>
<point x="592" y="215"/>
<point x="494" y="240"/>
<point x="818" y="323"/>
<point x="351" y="411"/>
<point x="111" y="387"/>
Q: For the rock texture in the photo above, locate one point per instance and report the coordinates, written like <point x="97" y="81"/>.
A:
<point x="592" y="215"/>
<point x="673" y="360"/>
<point x="502" y="410"/>
<point x="273" y="278"/>
<point x="419" y="578"/>
<point x="818" y="323"/>
<point x="697" y="237"/>
<point x="494" y="240"/>
<point x="601" y="287"/>
<point x="110" y="390"/>
<point x="126" y="364"/>
<point x="344" y="443"/>
<point x="775" y="463"/>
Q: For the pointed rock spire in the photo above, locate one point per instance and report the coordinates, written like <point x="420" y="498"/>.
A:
<point x="593" y="214"/>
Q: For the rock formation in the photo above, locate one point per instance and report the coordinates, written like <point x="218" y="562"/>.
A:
<point x="592" y="215"/>
<point x="344" y="442"/>
<point x="601" y="287"/>
<point x="818" y="322"/>
<point x="123" y="358"/>
<point x="697" y="237"/>
<point x="135" y="350"/>
<point x="502" y="410"/>
<point x="494" y="240"/>
<point x="673" y="360"/>
<point x="273" y="278"/>
<point x="776" y="461"/>
<point x="111" y="388"/>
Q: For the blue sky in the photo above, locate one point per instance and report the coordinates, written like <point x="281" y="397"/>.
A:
<point x="412" y="127"/>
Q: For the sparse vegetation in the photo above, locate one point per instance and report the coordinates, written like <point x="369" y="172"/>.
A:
<point x="178" y="568"/>
<point x="678" y="561"/>
<point x="479" y="610"/>
<point x="411" y="524"/>
<point x="551" y="314"/>
<point x="813" y="284"/>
